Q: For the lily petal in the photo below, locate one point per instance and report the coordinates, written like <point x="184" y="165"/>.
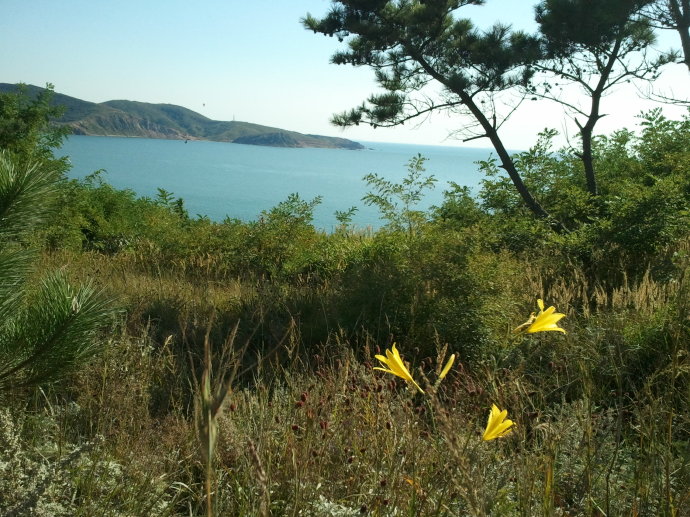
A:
<point x="447" y="367"/>
<point x="396" y="366"/>
<point x="544" y="321"/>
<point x="497" y="425"/>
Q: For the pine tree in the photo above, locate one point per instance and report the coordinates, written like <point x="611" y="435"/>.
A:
<point x="415" y="46"/>
<point x="672" y="15"/>
<point x="48" y="329"/>
<point x="595" y="46"/>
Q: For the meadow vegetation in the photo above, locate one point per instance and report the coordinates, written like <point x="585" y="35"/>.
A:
<point x="154" y="363"/>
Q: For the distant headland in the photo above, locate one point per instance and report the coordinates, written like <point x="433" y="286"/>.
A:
<point x="167" y="121"/>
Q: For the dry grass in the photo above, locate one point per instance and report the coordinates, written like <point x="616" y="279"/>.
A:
<point x="600" y="426"/>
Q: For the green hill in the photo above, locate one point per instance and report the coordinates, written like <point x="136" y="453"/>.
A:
<point x="143" y="119"/>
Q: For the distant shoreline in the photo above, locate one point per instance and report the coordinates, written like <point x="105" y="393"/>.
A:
<point x="196" y="139"/>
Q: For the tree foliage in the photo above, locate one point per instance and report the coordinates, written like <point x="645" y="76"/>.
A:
<point x="673" y="15"/>
<point x="595" y="47"/>
<point x="27" y="131"/>
<point x="427" y="59"/>
<point x="48" y="329"/>
<point x="644" y="188"/>
<point x="398" y="202"/>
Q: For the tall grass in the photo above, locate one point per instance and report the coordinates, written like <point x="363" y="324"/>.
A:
<point x="601" y="427"/>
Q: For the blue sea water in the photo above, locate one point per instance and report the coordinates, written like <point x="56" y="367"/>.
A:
<point x="221" y="180"/>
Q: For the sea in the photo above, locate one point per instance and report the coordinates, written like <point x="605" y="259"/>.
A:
<point x="224" y="180"/>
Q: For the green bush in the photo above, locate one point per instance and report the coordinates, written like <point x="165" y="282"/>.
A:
<point x="47" y="330"/>
<point x="642" y="208"/>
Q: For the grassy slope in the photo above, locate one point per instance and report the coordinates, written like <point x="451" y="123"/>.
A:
<point x="189" y="122"/>
<point x="330" y="436"/>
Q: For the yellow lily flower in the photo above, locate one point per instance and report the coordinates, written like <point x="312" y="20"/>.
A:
<point x="544" y="321"/>
<point x="446" y="368"/>
<point x="497" y="425"/>
<point x="396" y="366"/>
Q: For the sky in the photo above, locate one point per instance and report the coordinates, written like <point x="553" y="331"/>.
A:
<point x="249" y="61"/>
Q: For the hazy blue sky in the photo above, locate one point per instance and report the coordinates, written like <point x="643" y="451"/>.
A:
<point x="247" y="60"/>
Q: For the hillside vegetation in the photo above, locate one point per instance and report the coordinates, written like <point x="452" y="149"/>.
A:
<point x="143" y="119"/>
<point x="152" y="363"/>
